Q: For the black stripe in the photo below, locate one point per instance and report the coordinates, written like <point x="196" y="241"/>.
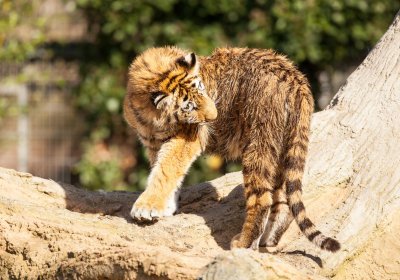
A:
<point x="266" y="174"/>
<point x="146" y="79"/>
<point x="174" y="78"/>
<point x="294" y="163"/>
<point x="269" y="60"/>
<point x="163" y="76"/>
<point x="173" y="89"/>
<point x="273" y="150"/>
<point x="297" y="208"/>
<point x="148" y="69"/>
<point x="136" y="114"/>
<point x="141" y="136"/>
<point x="246" y="52"/>
<point x="152" y="148"/>
<point x="284" y="77"/>
<point x="163" y="140"/>
<point x="330" y="244"/>
<point x="299" y="99"/>
<point x="257" y="191"/>
<point x="313" y="235"/>
<point x="299" y="80"/>
<point x="184" y="91"/>
<point x="275" y="204"/>
<point x="152" y="138"/>
<point x="247" y="169"/>
<point x="139" y="118"/>
<point x="292" y="186"/>
<point x="176" y="116"/>
<point x="155" y="95"/>
<point x="305" y="224"/>
<point x="281" y="64"/>
<point x="323" y="243"/>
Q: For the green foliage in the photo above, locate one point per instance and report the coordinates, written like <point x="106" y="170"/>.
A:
<point x="100" y="95"/>
<point x="8" y="108"/>
<point x="15" y="43"/>
<point x="320" y="31"/>
<point x="100" y="168"/>
<point x="316" y="34"/>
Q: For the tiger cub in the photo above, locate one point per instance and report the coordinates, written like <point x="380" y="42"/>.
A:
<point x="240" y="103"/>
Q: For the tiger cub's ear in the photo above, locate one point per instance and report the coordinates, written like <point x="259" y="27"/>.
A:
<point x="190" y="62"/>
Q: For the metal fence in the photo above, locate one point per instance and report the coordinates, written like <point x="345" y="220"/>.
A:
<point x="42" y="137"/>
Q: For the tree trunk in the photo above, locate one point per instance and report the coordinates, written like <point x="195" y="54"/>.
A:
<point x="351" y="191"/>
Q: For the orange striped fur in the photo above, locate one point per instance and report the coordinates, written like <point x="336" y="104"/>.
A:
<point x="240" y="103"/>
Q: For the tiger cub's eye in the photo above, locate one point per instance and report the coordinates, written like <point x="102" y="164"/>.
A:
<point x="188" y="106"/>
<point x="201" y="86"/>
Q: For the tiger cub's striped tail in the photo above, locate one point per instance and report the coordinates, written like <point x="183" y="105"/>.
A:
<point x="294" y="168"/>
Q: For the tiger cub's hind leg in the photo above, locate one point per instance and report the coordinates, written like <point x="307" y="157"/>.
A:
<point x="259" y="181"/>
<point x="279" y="219"/>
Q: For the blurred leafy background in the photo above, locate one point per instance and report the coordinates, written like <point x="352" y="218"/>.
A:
<point x="326" y="38"/>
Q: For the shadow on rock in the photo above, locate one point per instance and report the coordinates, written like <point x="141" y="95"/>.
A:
<point x="223" y="215"/>
<point x="117" y="203"/>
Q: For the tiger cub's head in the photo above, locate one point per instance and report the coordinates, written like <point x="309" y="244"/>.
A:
<point x="167" y="81"/>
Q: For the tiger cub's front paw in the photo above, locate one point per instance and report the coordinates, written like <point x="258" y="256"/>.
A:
<point x="152" y="206"/>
